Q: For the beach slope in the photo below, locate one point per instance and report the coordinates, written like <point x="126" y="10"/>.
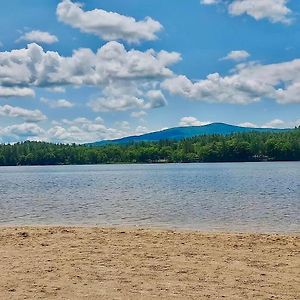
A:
<point x="117" y="263"/>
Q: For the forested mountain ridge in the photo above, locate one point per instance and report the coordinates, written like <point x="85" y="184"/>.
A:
<point x="250" y="146"/>
<point x="180" y="133"/>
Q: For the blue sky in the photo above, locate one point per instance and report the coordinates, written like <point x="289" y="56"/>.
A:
<point x="99" y="69"/>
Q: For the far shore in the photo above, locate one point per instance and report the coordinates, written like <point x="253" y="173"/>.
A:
<point x="157" y="163"/>
<point x="44" y="262"/>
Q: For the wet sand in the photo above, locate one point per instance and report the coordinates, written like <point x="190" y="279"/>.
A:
<point x="117" y="263"/>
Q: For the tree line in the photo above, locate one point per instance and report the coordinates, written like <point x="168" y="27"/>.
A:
<point x="240" y="147"/>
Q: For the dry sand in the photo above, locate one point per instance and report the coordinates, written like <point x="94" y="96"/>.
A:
<point x="101" y="263"/>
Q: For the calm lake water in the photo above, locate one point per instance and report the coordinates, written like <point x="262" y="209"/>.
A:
<point x="233" y="196"/>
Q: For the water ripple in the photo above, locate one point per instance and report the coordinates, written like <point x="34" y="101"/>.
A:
<point x="240" y="196"/>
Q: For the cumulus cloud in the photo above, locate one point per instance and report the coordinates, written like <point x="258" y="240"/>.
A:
<point x="24" y="131"/>
<point x="248" y="124"/>
<point x="107" y="25"/>
<point x="7" y="92"/>
<point x="122" y="96"/>
<point x="26" y="114"/>
<point x="123" y="125"/>
<point x="118" y="96"/>
<point x="138" y="114"/>
<point x="83" y="130"/>
<point x="56" y="89"/>
<point x="209" y="2"/>
<point x="126" y="102"/>
<point x="60" y="103"/>
<point x="276" y="123"/>
<point x="79" y="130"/>
<point x="290" y="94"/>
<point x="124" y="77"/>
<point x="141" y="130"/>
<point x="247" y="84"/>
<point x="32" y="66"/>
<point x="156" y="99"/>
<point x="273" y="10"/>
<point x="80" y="121"/>
<point x="192" y="121"/>
<point x="236" y="55"/>
<point x="38" y="37"/>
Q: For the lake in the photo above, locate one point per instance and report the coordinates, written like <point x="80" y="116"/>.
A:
<point x="262" y="197"/>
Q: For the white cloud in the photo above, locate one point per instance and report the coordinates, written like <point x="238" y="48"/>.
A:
<point x="81" y="121"/>
<point x="107" y="25"/>
<point x="247" y="84"/>
<point x="214" y="89"/>
<point x="276" y="123"/>
<point x="16" y="92"/>
<point x="248" y="124"/>
<point x="28" y="115"/>
<point x="38" y="37"/>
<point x="32" y="66"/>
<point x="209" y="2"/>
<point x="122" y="96"/>
<point x="156" y="99"/>
<point x="118" y="96"/>
<point x="60" y="103"/>
<point x="290" y="94"/>
<point x="273" y="10"/>
<point x="83" y="130"/>
<point x="56" y="89"/>
<point x="141" y="130"/>
<point x="236" y="55"/>
<point x="127" y="102"/>
<point x="24" y="131"/>
<point x="191" y="121"/>
<point x="138" y="114"/>
<point x="124" y="77"/>
<point x="124" y="125"/>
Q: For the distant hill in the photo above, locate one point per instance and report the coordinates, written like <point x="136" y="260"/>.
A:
<point x="179" y="133"/>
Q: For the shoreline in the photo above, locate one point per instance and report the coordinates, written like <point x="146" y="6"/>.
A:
<point x="158" y="163"/>
<point x="165" y="228"/>
<point x="93" y="262"/>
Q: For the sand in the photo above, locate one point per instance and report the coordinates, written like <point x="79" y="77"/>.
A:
<point x="117" y="263"/>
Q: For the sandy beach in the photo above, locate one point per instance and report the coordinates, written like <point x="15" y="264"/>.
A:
<point x="117" y="263"/>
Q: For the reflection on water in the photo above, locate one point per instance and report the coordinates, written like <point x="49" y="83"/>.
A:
<point x="238" y="196"/>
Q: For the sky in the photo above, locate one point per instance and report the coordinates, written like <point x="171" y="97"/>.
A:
<point x="103" y="69"/>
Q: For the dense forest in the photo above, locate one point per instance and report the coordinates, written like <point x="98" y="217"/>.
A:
<point x="252" y="146"/>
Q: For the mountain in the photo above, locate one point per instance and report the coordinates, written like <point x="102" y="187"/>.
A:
<point x="179" y="133"/>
